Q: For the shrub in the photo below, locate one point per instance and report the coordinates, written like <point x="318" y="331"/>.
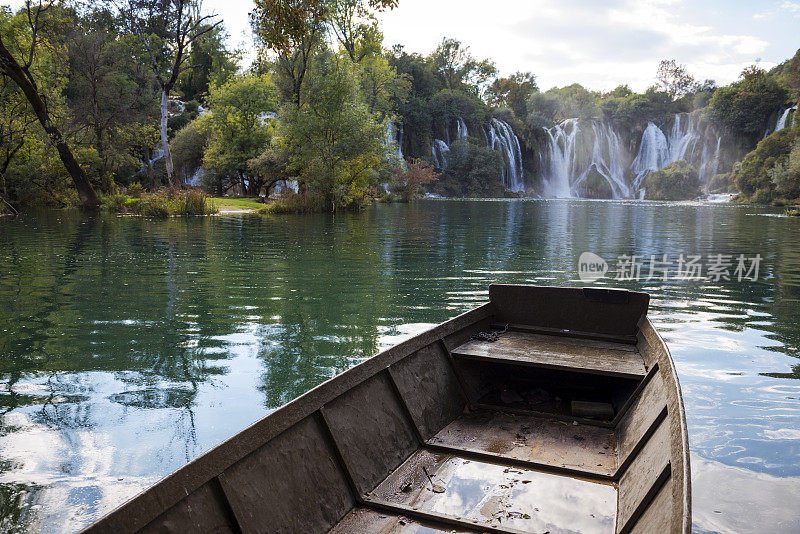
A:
<point x="293" y="203"/>
<point x="676" y="181"/>
<point x="161" y="204"/>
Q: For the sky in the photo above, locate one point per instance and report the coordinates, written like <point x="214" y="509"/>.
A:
<point x="599" y="44"/>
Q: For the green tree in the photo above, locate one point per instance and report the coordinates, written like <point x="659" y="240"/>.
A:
<point x="213" y="63"/>
<point x="576" y="102"/>
<point x="542" y="109"/>
<point x="745" y="105"/>
<point x="355" y="26"/>
<point x="676" y="181"/>
<point x="674" y="79"/>
<point x="240" y="127"/>
<point x="458" y="68"/>
<point x="335" y="144"/>
<point x="513" y="92"/>
<point x="26" y="58"/>
<point x="167" y="30"/>
<point x="383" y="88"/>
<point x="109" y="89"/>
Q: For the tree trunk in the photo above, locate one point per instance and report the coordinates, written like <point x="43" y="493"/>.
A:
<point x="165" y="139"/>
<point x="9" y="65"/>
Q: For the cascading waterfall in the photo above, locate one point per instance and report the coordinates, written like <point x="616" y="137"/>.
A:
<point x="461" y="132"/>
<point x="501" y="136"/>
<point x="781" y="124"/>
<point x="577" y="151"/>
<point x="568" y="165"/>
<point x="394" y="138"/>
<point x="439" y="149"/>
<point x="561" y="159"/>
<point x="653" y="153"/>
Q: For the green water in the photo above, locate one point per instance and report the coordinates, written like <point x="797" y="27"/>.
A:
<point x="129" y="346"/>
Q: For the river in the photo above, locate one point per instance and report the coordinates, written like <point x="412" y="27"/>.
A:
<point x="130" y="346"/>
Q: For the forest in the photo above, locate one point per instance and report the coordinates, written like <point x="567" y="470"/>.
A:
<point x="142" y="107"/>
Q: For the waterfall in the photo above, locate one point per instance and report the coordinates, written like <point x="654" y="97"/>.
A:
<point x="573" y="154"/>
<point x="681" y="139"/>
<point x="461" y="132"/>
<point x="394" y="139"/>
<point x="561" y="158"/>
<point x="654" y="153"/>
<point x="439" y="149"/>
<point x="781" y="124"/>
<point x="501" y="137"/>
<point x="709" y="165"/>
<point x="607" y="160"/>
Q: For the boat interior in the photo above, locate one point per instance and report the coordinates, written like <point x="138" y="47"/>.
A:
<point x="546" y="410"/>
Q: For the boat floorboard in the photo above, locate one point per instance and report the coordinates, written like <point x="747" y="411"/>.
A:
<point x="543" y="441"/>
<point x="368" y="521"/>
<point x="494" y="495"/>
<point x="553" y="352"/>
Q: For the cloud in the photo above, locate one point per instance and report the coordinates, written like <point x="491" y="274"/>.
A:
<point x="599" y="44"/>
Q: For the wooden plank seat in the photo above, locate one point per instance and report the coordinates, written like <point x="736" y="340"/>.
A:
<point x="554" y="352"/>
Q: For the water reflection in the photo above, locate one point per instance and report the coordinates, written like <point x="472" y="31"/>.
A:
<point x="128" y="347"/>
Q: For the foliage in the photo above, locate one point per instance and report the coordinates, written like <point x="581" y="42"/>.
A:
<point x="472" y="171"/>
<point x="335" y="144"/>
<point x="785" y="175"/>
<point x="513" y="92"/>
<point x="458" y="69"/>
<point x="240" y="127"/>
<point x="188" y="147"/>
<point x="674" y="79"/>
<point x="753" y="178"/>
<point x="744" y="106"/>
<point x="542" y="109"/>
<point x="213" y="64"/>
<point x="162" y="203"/>
<point x="676" y="181"/>
<point x="409" y="182"/>
<point x="576" y="102"/>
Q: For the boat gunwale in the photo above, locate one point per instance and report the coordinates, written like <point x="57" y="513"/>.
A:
<point x="647" y="325"/>
<point x="136" y="512"/>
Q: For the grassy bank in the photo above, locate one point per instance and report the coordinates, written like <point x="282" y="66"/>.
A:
<point x="160" y="204"/>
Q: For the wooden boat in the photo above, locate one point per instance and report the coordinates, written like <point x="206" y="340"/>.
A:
<point x="545" y="410"/>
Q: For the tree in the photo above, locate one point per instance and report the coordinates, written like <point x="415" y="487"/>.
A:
<point x="355" y="26"/>
<point x="745" y="105"/>
<point x="167" y="30"/>
<point x="335" y="143"/>
<point x="676" y="181"/>
<point x="16" y="121"/>
<point x="213" y="64"/>
<point x="19" y="54"/>
<point x="383" y="88"/>
<point x="240" y="128"/>
<point x="674" y="79"/>
<point x="409" y="182"/>
<point x="542" y="109"/>
<point x="458" y="68"/>
<point x="576" y="102"/>
<point x="109" y="89"/>
<point x="513" y="92"/>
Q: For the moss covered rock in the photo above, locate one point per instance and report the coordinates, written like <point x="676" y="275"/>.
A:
<point x="676" y="181"/>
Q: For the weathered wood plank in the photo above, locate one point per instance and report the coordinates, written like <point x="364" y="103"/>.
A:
<point x="644" y="410"/>
<point x="640" y="478"/>
<point x="430" y="389"/>
<point x="555" y="353"/>
<point x="299" y="470"/>
<point x="658" y="515"/>
<point x="371" y="430"/>
<point x="202" y="510"/>
<point x="592" y="310"/>
<point x="542" y="441"/>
